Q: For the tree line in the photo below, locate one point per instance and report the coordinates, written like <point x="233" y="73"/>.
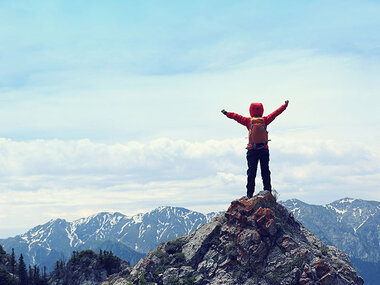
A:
<point x="16" y="272"/>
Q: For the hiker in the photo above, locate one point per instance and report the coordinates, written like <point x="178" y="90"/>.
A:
<point x="257" y="143"/>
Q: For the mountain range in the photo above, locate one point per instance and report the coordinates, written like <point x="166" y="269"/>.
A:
<point x="130" y="238"/>
<point x="352" y="225"/>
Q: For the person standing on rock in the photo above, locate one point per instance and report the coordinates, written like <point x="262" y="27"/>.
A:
<point x="257" y="148"/>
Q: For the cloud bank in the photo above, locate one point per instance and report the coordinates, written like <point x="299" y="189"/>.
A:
<point x="45" y="179"/>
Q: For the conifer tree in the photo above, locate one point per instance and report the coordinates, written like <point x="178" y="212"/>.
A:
<point x="44" y="277"/>
<point x="2" y="251"/>
<point x="36" y="275"/>
<point x="30" y="274"/>
<point x="5" y="278"/>
<point x="13" y="262"/>
<point x="22" y="273"/>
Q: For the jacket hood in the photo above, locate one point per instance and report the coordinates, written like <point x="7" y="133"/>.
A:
<point x="256" y="110"/>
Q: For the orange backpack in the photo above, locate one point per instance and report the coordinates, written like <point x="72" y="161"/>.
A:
<point x="258" y="135"/>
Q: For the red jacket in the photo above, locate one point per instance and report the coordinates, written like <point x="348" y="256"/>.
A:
<point x="256" y="110"/>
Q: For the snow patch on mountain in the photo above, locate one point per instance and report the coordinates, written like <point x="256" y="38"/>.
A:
<point x="346" y="200"/>
<point x="341" y="212"/>
<point x="355" y="229"/>
<point x="138" y="218"/>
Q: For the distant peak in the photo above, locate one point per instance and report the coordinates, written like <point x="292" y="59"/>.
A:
<point x="342" y="203"/>
<point x="172" y="209"/>
<point x="294" y="202"/>
<point x="160" y="208"/>
<point x="104" y="214"/>
<point x="345" y="200"/>
<point x="57" y="221"/>
<point x="168" y="208"/>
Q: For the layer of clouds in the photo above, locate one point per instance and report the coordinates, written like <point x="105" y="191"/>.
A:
<point x="45" y="179"/>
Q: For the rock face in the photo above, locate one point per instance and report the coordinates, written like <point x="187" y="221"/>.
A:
<point x="257" y="241"/>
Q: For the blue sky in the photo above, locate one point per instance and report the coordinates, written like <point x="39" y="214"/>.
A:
<point x="115" y="105"/>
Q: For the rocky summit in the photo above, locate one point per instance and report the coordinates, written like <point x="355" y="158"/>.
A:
<point x="257" y="241"/>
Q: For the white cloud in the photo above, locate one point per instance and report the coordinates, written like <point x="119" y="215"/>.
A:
<point x="44" y="179"/>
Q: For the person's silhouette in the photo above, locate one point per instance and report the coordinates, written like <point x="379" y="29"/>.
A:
<point x="258" y="143"/>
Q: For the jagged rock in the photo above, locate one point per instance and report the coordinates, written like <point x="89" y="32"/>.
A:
<point x="197" y="245"/>
<point x="257" y="241"/>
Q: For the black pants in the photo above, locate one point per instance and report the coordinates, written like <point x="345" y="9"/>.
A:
<point x="253" y="157"/>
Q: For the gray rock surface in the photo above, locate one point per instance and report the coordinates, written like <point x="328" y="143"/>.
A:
<point x="196" y="245"/>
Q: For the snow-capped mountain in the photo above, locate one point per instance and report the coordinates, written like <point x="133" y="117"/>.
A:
<point x="354" y="213"/>
<point x="352" y="225"/>
<point x="132" y="236"/>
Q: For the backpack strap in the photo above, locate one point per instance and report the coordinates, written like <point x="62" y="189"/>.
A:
<point x="257" y="146"/>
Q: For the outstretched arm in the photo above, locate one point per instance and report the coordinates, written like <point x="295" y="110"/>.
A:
<point x="272" y="116"/>
<point x="238" y="118"/>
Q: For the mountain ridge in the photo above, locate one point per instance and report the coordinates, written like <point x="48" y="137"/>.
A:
<point x="56" y="239"/>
